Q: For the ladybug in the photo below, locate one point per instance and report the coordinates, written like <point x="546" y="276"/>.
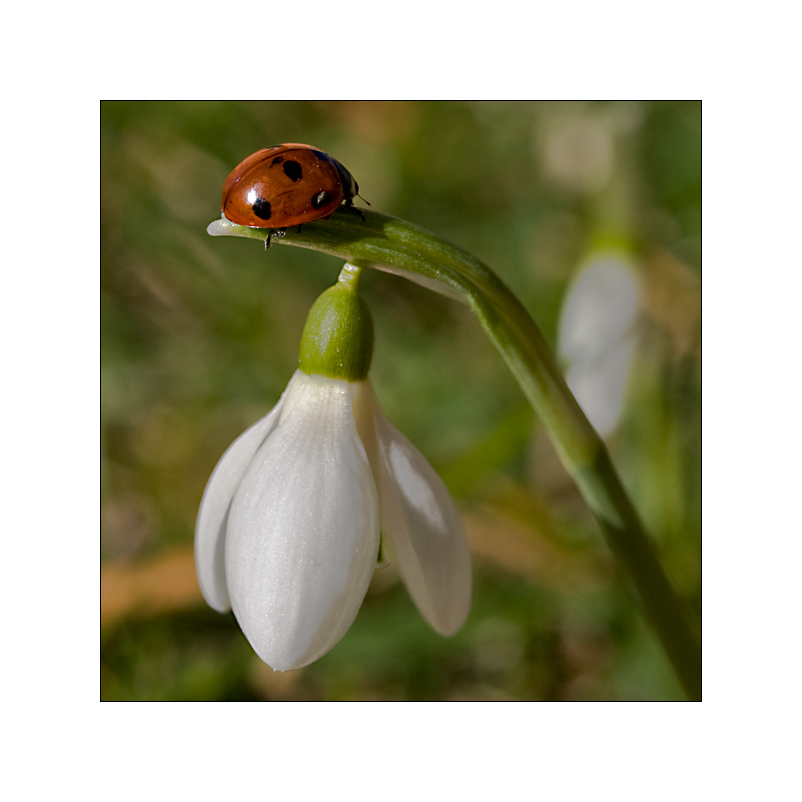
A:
<point x="286" y="185"/>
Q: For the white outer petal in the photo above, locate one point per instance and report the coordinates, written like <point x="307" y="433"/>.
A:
<point x="596" y="336"/>
<point x="600" y="307"/>
<point x="600" y="385"/>
<point x="303" y="531"/>
<point x="426" y="533"/>
<point x="210" y="527"/>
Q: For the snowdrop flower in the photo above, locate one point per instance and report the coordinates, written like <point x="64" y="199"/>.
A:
<point x="595" y="336"/>
<point x="293" y="517"/>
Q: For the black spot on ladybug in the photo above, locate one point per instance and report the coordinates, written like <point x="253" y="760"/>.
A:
<point x="293" y="170"/>
<point x="276" y="161"/>
<point x="321" y="199"/>
<point x="261" y="208"/>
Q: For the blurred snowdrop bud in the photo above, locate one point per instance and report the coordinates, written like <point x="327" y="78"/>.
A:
<point x="291" y="521"/>
<point x="596" y="337"/>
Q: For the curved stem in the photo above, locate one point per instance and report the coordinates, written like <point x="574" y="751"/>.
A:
<point x="383" y="241"/>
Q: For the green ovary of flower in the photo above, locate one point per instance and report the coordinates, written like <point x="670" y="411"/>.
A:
<point x="337" y="340"/>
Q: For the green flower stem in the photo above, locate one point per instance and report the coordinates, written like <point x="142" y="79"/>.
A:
<point x="392" y="244"/>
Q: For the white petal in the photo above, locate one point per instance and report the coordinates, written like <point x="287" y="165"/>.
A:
<point x="213" y="513"/>
<point x="600" y="307"/>
<point x="600" y="385"/>
<point x="303" y="532"/>
<point x="425" y="530"/>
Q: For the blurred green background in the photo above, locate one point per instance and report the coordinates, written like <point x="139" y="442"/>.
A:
<point x="200" y="336"/>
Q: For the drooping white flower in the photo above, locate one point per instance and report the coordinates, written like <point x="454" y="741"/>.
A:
<point x="596" y="338"/>
<point x="291" y="520"/>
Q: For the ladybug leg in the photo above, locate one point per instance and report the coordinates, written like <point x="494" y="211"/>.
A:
<point x="299" y="229"/>
<point x="274" y="232"/>
<point x="349" y="204"/>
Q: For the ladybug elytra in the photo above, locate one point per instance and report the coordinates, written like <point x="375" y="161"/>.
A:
<point x="286" y="185"/>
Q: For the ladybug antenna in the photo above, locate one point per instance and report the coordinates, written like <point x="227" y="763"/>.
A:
<point x="362" y="199"/>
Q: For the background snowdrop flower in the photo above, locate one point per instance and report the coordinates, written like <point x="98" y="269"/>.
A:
<point x="596" y="336"/>
<point x="291" y="521"/>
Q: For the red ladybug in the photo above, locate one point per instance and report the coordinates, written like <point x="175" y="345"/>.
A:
<point x="286" y="185"/>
